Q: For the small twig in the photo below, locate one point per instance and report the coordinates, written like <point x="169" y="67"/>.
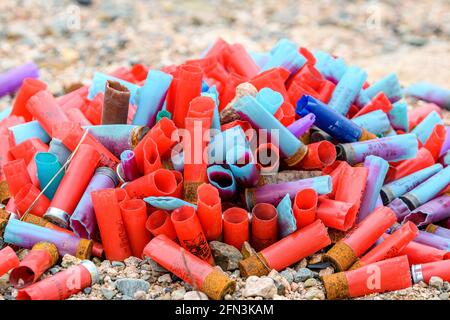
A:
<point x="191" y="277"/>
<point x="69" y="159"/>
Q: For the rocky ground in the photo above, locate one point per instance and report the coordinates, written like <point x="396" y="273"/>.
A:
<point x="145" y="279"/>
<point x="69" y="42"/>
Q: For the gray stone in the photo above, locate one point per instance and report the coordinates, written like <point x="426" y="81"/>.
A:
<point x="140" y="295"/>
<point x="327" y="271"/>
<point x="146" y="267"/>
<point x="147" y="277"/>
<point x="288" y="274"/>
<point x="247" y="250"/>
<point x="108" y="294"/>
<point x="444" y="296"/>
<point x="167" y="290"/>
<point x="320" y="265"/>
<point x="4" y="282"/>
<point x="68" y="261"/>
<point x="165" y="278"/>
<point x="112" y="272"/>
<point x="225" y="256"/>
<point x="403" y="292"/>
<point x="314" y="294"/>
<point x="303" y="274"/>
<point x="156" y="267"/>
<point x="164" y="297"/>
<point x="315" y="258"/>
<point x="118" y="264"/>
<point x="416" y="41"/>
<point x="280" y="282"/>
<point x="87" y="290"/>
<point x="195" y="295"/>
<point x="446" y="286"/>
<point x="84" y="2"/>
<point x="132" y="261"/>
<point x="310" y="283"/>
<point x="436" y="282"/>
<point x="178" y="294"/>
<point x="301" y="264"/>
<point x="54" y="270"/>
<point x="294" y="286"/>
<point x="260" y="287"/>
<point x="106" y="279"/>
<point x="422" y="284"/>
<point x="129" y="286"/>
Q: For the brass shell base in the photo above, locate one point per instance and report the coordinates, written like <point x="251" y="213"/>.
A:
<point x="3" y="223"/>
<point x="255" y="265"/>
<point x="358" y="264"/>
<point x="217" y="284"/>
<point x="431" y="228"/>
<point x="84" y="249"/>
<point x="50" y="248"/>
<point x="336" y="235"/>
<point x="341" y="256"/>
<point x="297" y="157"/>
<point x="4" y="191"/>
<point x="31" y="218"/>
<point x="336" y="286"/>
<point x="4" y="214"/>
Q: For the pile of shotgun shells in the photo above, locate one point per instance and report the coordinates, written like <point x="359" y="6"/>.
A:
<point x="270" y="157"/>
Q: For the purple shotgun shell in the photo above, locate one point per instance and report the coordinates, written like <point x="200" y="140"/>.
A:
<point x="433" y="240"/>
<point x="129" y="167"/>
<point x="378" y="169"/>
<point x="274" y="193"/>
<point x="11" y="80"/>
<point x="302" y="125"/>
<point x="83" y="221"/>
<point x="118" y="137"/>
<point x="432" y="211"/>
<point x="26" y="235"/>
<point x="437" y="230"/>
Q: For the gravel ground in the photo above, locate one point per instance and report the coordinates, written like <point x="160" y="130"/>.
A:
<point x="145" y="280"/>
<point x="69" y="42"/>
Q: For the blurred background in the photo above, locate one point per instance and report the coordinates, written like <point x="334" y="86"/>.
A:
<point x="69" y="39"/>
